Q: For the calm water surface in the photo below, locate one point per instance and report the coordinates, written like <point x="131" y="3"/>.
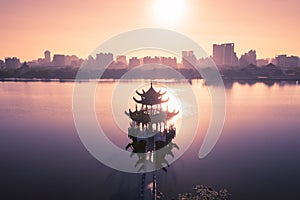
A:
<point x="42" y="157"/>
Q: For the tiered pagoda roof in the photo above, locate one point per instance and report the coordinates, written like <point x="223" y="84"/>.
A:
<point x="151" y="97"/>
<point x="139" y="116"/>
<point x="163" y="116"/>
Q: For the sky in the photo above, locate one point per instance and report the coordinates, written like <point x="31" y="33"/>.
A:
<point x="29" y="27"/>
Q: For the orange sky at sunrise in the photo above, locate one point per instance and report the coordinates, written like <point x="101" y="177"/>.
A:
<point x="28" y="27"/>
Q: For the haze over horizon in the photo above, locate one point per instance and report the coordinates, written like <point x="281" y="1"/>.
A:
<point x="29" y="27"/>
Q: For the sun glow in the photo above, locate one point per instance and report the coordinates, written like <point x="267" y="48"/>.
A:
<point x="169" y="12"/>
<point x="173" y="105"/>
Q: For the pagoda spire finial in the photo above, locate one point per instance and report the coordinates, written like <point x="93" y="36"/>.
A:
<point x="151" y="84"/>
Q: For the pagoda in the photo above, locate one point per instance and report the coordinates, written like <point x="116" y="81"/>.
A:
<point x="150" y="130"/>
<point x="150" y="121"/>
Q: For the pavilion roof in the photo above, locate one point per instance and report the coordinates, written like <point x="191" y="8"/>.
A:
<point x="151" y="97"/>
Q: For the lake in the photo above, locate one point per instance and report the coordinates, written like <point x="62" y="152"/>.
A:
<point x="256" y="156"/>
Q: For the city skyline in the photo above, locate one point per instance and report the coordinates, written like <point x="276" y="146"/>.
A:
<point x="76" y="28"/>
<point x="223" y="55"/>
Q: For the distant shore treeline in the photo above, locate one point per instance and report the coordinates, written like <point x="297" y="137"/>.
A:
<point x="251" y="72"/>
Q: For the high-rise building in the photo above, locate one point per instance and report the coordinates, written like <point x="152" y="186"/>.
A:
<point x="12" y="63"/>
<point x="218" y="54"/>
<point x="224" y="54"/>
<point x="228" y="54"/>
<point x="287" y="61"/>
<point x="133" y="62"/>
<point x="189" y="60"/>
<point x="281" y="60"/>
<point x="71" y="59"/>
<point x="47" y="57"/>
<point x="104" y="59"/>
<point x="121" y="59"/>
<point x="2" y="64"/>
<point x="248" y="58"/>
<point x="58" y="60"/>
<point x="150" y="60"/>
<point x="206" y="62"/>
<point x="292" y="61"/>
<point x="41" y="61"/>
<point x="168" y="61"/>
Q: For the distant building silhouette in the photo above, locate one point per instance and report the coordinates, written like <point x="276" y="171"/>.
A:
<point x="32" y="63"/>
<point x="287" y="61"/>
<point x="189" y="60"/>
<point x="281" y="60"/>
<point x="2" y="64"/>
<point x="122" y="59"/>
<point x="168" y="61"/>
<point x="12" y="63"/>
<point x="77" y="63"/>
<point x="120" y="63"/>
<point x="262" y="62"/>
<point x="58" y="60"/>
<point x="41" y="61"/>
<point x="292" y="61"/>
<point x="72" y="60"/>
<point x="134" y="62"/>
<point x="90" y="61"/>
<point x="104" y="59"/>
<point x="248" y="58"/>
<point x="47" y="57"/>
<point x="150" y="60"/>
<point x="205" y="62"/>
<point x="224" y="54"/>
<point x="24" y="66"/>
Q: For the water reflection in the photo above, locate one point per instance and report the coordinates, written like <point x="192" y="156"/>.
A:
<point x="257" y="156"/>
<point x="140" y="147"/>
<point x="251" y="82"/>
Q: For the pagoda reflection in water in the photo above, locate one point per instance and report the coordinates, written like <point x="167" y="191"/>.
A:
<point x="151" y="132"/>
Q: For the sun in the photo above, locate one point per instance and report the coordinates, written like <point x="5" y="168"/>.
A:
<point x="169" y="12"/>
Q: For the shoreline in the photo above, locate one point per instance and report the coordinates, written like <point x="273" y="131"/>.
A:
<point x="225" y="80"/>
